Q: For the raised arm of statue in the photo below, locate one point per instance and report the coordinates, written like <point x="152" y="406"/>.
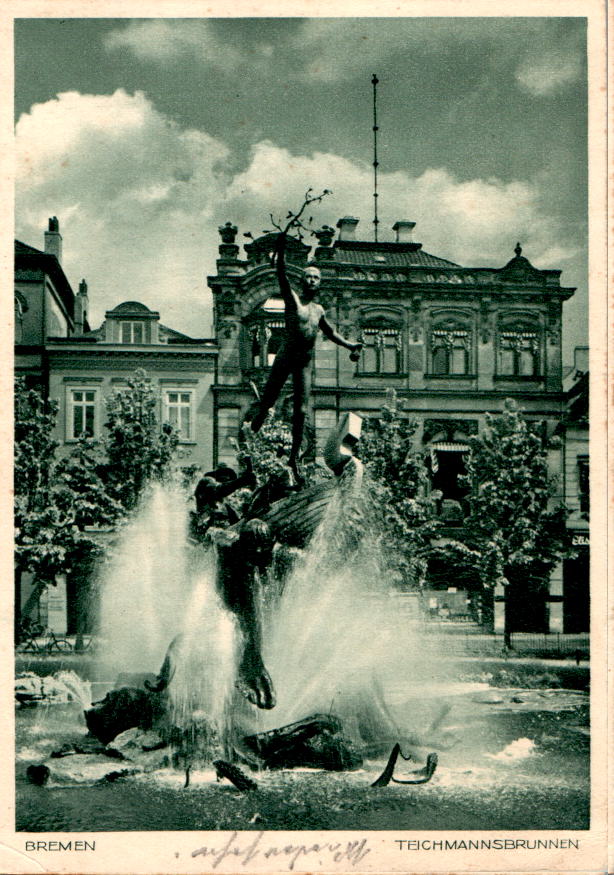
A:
<point x="280" y="264"/>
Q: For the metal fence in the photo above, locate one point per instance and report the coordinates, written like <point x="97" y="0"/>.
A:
<point x="457" y="641"/>
<point x="552" y="643"/>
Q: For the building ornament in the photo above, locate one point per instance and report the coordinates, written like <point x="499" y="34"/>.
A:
<point x="228" y="232"/>
<point x="451" y="338"/>
<point x="324" y="235"/>
<point x="377" y="334"/>
<point x="486" y="319"/>
<point x="226" y="328"/>
<point x="450" y="428"/>
<point x="554" y="335"/>
<point x="416" y="313"/>
<point x="519" y="340"/>
<point x="554" y="327"/>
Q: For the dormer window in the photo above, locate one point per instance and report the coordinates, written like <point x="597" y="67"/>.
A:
<point x="132" y="332"/>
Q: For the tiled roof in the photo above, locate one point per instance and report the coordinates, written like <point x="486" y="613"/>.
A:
<point x="391" y="256"/>
<point x="173" y="334"/>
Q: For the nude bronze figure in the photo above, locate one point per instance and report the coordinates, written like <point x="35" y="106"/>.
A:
<point x="303" y="318"/>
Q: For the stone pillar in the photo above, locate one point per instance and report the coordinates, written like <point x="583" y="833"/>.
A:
<point x="555" y="601"/>
<point x="57" y="614"/>
<point x="552" y="346"/>
<point x="486" y="352"/>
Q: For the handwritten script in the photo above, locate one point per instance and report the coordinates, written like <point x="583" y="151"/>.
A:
<point x="244" y="850"/>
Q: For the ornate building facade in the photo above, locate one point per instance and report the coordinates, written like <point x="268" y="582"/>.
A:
<point x="452" y="341"/>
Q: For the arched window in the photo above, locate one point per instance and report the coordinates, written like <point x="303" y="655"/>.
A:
<point x="518" y="350"/>
<point x="450" y="347"/>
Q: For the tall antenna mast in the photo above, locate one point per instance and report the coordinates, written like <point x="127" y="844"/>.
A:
<point x="374" y="82"/>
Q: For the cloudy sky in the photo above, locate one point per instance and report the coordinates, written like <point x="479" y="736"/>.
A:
<point x="142" y="136"/>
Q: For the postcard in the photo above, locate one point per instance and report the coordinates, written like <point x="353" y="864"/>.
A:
<point x="307" y="463"/>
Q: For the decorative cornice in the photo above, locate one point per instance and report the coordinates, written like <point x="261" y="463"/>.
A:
<point x="153" y="352"/>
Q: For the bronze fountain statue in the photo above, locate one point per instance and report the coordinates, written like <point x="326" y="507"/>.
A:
<point x="303" y="318"/>
<point x="281" y="511"/>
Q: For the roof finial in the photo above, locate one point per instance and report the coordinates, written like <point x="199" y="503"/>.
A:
<point x="518" y="250"/>
<point x="374" y="82"/>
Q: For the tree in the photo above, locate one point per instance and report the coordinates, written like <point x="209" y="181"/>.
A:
<point x="47" y="531"/>
<point x="513" y="530"/>
<point x="79" y="486"/>
<point x="56" y="500"/>
<point x="40" y="539"/>
<point x="138" y="450"/>
<point x="397" y="478"/>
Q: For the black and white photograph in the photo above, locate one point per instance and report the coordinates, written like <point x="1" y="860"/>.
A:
<point x="304" y="532"/>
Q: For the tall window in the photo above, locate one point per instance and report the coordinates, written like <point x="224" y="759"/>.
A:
<point x="178" y="411"/>
<point x="132" y="332"/>
<point x="265" y="341"/>
<point x="518" y="353"/>
<point x="275" y="333"/>
<point x="255" y="345"/>
<point x="21" y="307"/>
<point x="450" y="351"/>
<point x="583" y="485"/>
<point x="382" y="351"/>
<point x="81" y="413"/>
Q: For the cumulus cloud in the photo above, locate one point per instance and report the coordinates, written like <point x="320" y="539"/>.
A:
<point x="548" y="73"/>
<point x="134" y="192"/>
<point x="139" y="200"/>
<point x="472" y="222"/>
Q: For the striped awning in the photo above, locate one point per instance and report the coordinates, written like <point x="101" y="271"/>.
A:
<point x="449" y="447"/>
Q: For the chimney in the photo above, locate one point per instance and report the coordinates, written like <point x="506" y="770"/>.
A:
<point x="53" y="239"/>
<point x="347" y="227"/>
<point x="81" y="308"/>
<point x="404" y="231"/>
